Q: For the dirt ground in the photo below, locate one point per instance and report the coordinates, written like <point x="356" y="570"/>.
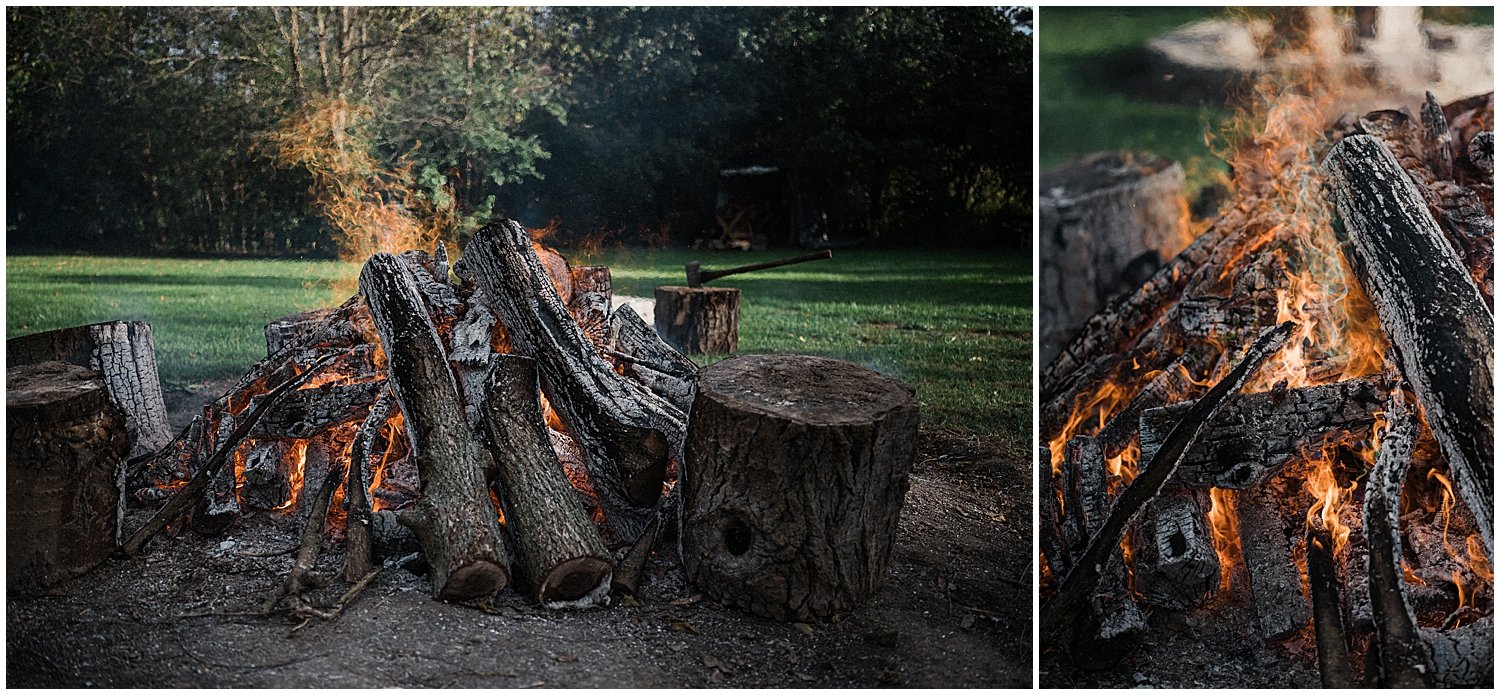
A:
<point x="954" y="611"/>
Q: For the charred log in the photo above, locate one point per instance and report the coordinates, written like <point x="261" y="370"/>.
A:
<point x="1281" y="605"/>
<point x="1328" y="619"/>
<point x="1176" y="565"/>
<point x="648" y="359"/>
<point x="1429" y="306"/>
<point x="357" y="505"/>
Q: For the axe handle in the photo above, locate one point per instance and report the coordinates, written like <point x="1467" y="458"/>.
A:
<point x="716" y="274"/>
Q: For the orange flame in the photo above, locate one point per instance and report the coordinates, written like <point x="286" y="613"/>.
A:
<point x="1224" y="524"/>
<point x="298" y="456"/>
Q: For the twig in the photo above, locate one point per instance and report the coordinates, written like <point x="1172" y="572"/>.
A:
<point x="1084" y="578"/>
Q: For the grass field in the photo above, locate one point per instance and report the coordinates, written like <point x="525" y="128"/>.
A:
<point x="957" y="326"/>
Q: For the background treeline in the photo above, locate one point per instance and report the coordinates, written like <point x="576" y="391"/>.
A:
<point x="188" y="129"/>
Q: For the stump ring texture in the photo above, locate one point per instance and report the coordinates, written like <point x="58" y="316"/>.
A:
<point x="796" y="468"/>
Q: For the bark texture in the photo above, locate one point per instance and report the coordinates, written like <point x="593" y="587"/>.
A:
<point x="64" y="443"/>
<point x="564" y="558"/>
<point x="699" y="320"/>
<point x="1430" y="307"/>
<point x="453" y="518"/>
<point x="795" y="474"/>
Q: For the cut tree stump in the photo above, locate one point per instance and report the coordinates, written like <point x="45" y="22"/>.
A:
<point x="795" y="473"/>
<point x="453" y="518"/>
<point x="65" y="441"/>
<point x="1107" y="222"/>
<point x="1430" y="307"/>
<point x="125" y="354"/>
<point x="564" y="558"/>
<point x="699" y="320"/>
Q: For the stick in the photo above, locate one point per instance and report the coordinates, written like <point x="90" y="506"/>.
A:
<point x="1328" y="619"/>
<point x="301" y="577"/>
<point x="1081" y="582"/>
<point x="356" y="493"/>
<point x="189" y="494"/>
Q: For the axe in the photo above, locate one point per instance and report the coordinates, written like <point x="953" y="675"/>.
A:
<point x="696" y="276"/>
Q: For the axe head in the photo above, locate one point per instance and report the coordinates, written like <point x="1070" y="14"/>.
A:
<point x="694" y="274"/>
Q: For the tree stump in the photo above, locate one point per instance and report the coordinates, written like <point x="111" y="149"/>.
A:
<point x="125" y="354"/>
<point x="795" y="471"/>
<point x="63" y="451"/>
<point x="1107" y="222"/>
<point x="699" y="320"/>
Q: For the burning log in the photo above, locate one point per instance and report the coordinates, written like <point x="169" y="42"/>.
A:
<point x="307" y="413"/>
<point x="268" y="475"/>
<point x="1463" y="657"/>
<point x="1328" y="621"/>
<point x="1429" y="306"/>
<point x="1255" y="435"/>
<point x="357" y="556"/>
<point x="64" y="443"/>
<point x="1054" y="546"/>
<point x="564" y="558"/>
<point x="1176" y="565"/>
<point x="795" y="474"/>
<point x="453" y="518"/>
<point x="626" y="431"/>
<point x="699" y="320"/>
<point x="125" y="354"/>
<point x="1401" y="657"/>
<point x="301" y="578"/>
<point x="1281" y="606"/>
<point x="190" y="493"/>
<point x="1084" y="578"/>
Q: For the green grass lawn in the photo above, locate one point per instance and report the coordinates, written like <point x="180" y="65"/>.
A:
<point x="956" y="326"/>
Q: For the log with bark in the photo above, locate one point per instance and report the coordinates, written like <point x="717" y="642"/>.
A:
<point x="1281" y="604"/>
<point x="564" y="559"/>
<point x="795" y="474"/>
<point x="627" y="432"/>
<point x="453" y="518"/>
<point x="65" y="440"/>
<point x="699" y="320"/>
<point x="1429" y="306"/>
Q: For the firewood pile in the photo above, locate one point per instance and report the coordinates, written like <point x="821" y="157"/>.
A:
<point x="498" y="409"/>
<point x="1300" y="400"/>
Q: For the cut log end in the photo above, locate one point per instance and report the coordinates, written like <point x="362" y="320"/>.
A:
<point x="475" y="580"/>
<point x="574" y="580"/>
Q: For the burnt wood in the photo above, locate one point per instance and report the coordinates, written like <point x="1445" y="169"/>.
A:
<point x="1281" y="603"/>
<point x="1176" y="565"/>
<point x="1401" y="657"/>
<point x="186" y="496"/>
<point x="306" y="413"/>
<point x="627" y="432"/>
<point x="564" y="559"/>
<point x="592" y="291"/>
<point x="453" y="517"/>
<point x="699" y="320"/>
<point x="1328" y="619"/>
<point x="1254" y="435"/>
<point x="358" y="560"/>
<point x="1115" y="623"/>
<point x="64" y="442"/>
<point x="302" y="578"/>
<point x="1430" y="308"/>
<point x="1463" y="657"/>
<point x="795" y="474"/>
<point x="645" y="357"/>
<point x="267" y="477"/>
<point x="1082" y="581"/>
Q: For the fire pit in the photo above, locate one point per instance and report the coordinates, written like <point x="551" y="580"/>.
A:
<point x="1277" y="452"/>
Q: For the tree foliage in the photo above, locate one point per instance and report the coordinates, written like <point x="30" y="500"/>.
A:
<point x="164" y="128"/>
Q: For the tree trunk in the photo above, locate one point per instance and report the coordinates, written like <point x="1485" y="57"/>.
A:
<point x="627" y="432"/>
<point x="453" y="518"/>
<point x="795" y="474"/>
<point x="699" y="320"/>
<point x="64" y="443"/>
<point x="564" y="558"/>
<point x="1430" y="308"/>
<point x="122" y="351"/>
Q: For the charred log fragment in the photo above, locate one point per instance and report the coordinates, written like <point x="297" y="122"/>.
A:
<point x="1281" y="605"/>
<point x="1176" y="565"/>
<point x="1328" y="619"/>
<point x="1429" y="306"/>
